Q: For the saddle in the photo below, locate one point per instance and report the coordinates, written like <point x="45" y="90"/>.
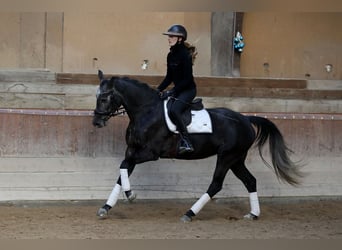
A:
<point x="196" y="105"/>
<point x="195" y="117"/>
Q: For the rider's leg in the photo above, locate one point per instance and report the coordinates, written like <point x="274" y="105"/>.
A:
<point x="185" y="145"/>
<point x="178" y="106"/>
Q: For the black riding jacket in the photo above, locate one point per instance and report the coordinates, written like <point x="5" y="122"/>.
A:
<point x="179" y="70"/>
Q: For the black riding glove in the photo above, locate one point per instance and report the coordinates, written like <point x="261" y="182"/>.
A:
<point x="165" y="94"/>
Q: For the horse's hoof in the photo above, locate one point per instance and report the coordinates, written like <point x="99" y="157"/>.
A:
<point x="132" y="196"/>
<point x="250" y="216"/>
<point x="185" y="218"/>
<point x="102" y="213"/>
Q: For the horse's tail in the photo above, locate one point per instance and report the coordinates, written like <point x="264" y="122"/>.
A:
<point x="284" y="167"/>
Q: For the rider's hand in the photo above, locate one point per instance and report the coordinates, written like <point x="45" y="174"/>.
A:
<point x="165" y="94"/>
<point x="160" y="92"/>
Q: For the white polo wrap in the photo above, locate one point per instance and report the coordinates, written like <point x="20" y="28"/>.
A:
<point x="200" y="203"/>
<point x="254" y="202"/>
<point x="124" y="179"/>
<point x="114" y="195"/>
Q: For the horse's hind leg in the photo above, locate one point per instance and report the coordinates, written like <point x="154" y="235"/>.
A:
<point x="249" y="181"/>
<point x="222" y="166"/>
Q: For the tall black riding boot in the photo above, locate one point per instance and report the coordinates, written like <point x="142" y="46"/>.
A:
<point x="185" y="145"/>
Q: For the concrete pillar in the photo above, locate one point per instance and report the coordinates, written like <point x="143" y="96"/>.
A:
<point x="32" y="40"/>
<point x="41" y="40"/>
<point x="54" y="41"/>
<point x="224" y="61"/>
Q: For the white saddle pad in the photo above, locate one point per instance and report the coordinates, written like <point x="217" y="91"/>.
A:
<point x="200" y="121"/>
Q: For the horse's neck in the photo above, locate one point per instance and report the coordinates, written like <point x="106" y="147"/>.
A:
<point x="151" y="110"/>
<point x="138" y="108"/>
<point x="136" y="98"/>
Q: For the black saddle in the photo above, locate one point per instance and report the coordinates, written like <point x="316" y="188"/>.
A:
<point x="196" y="104"/>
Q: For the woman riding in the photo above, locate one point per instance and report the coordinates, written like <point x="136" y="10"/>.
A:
<point x="179" y="72"/>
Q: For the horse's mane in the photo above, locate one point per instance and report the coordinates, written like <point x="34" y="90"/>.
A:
<point x="144" y="86"/>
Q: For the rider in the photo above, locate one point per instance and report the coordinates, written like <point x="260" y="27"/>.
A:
<point x="179" y="72"/>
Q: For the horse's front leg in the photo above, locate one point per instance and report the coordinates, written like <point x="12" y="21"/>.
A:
<point x="126" y="169"/>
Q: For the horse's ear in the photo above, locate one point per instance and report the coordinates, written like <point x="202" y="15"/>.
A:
<point x="100" y="74"/>
<point x="111" y="81"/>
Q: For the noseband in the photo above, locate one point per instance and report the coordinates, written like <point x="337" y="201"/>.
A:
<point x="119" y="111"/>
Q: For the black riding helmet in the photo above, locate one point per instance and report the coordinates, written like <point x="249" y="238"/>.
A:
<point x="177" y="30"/>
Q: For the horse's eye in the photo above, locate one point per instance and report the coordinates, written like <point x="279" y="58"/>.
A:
<point x="98" y="92"/>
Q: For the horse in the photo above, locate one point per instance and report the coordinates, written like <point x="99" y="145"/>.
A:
<point x="148" y="139"/>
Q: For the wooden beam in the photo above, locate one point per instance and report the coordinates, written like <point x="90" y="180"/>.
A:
<point x="154" y="80"/>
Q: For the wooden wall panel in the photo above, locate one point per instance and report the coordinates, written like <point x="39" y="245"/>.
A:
<point x="59" y="136"/>
<point x="60" y="157"/>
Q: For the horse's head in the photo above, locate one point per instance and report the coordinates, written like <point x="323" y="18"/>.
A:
<point x="108" y="101"/>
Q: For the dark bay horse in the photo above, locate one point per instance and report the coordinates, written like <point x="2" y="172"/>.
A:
<point x="148" y="139"/>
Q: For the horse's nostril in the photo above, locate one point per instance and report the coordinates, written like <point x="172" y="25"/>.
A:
<point x="99" y="123"/>
<point x="96" y="123"/>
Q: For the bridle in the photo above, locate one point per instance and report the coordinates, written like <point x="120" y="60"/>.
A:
<point x="108" y="114"/>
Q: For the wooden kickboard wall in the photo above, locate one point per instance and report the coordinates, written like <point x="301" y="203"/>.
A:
<point x="56" y="155"/>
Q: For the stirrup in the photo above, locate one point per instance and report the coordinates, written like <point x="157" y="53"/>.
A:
<point x="182" y="150"/>
<point x="187" y="148"/>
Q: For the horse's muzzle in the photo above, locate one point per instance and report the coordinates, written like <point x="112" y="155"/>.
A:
<point x="98" y="122"/>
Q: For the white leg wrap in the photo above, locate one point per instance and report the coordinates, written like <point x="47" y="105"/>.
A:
<point x="200" y="203"/>
<point x="114" y="195"/>
<point x="254" y="202"/>
<point x="124" y="180"/>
